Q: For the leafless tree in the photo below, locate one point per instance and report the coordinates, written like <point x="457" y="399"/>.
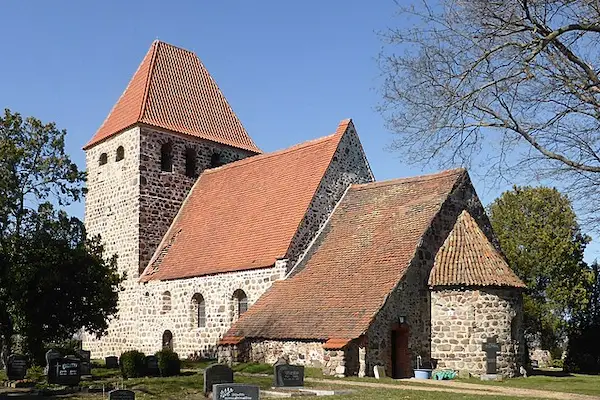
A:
<point x="517" y="80"/>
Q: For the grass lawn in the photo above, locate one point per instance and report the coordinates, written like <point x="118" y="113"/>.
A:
<point x="556" y="381"/>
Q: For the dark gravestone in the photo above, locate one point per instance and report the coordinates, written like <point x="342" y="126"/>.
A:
<point x="121" y="394"/>
<point x="216" y="373"/>
<point x="491" y="349"/>
<point x="152" y="366"/>
<point x="289" y="375"/>
<point x="16" y="367"/>
<point x="64" y="371"/>
<point x="86" y="366"/>
<point x="51" y="355"/>
<point x="235" y="391"/>
<point x="112" y="362"/>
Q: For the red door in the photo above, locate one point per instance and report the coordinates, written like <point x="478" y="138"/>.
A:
<point x="400" y="354"/>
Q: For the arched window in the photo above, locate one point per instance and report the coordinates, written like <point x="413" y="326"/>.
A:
<point x="167" y="340"/>
<point x="199" y="310"/>
<point x="166" y="302"/>
<point x="120" y="153"/>
<point x="240" y="303"/>
<point x="215" y="160"/>
<point x="166" y="157"/>
<point x="190" y="162"/>
<point x="103" y="159"/>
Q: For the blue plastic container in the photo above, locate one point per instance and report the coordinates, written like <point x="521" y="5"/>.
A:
<point x="423" y="373"/>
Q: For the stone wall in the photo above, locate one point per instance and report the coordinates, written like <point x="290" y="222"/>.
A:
<point x="131" y="203"/>
<point x="296" y="352"/>
<point x="462" y="320"/>
<point x="220" y="309"/>
<point x="112" y="211"/>
<point x="412" y="297"/>
<point x="161" y="192"/>
<point x="349" y="165"/>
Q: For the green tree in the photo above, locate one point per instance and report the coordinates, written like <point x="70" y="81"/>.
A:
<point x="53" y="279"/>
<point x="583" y="350"/>
<point x="539" y="234"/>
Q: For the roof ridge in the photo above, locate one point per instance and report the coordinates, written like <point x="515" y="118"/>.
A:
<point x="158" y="41"/>
<point x="262" y="156"/>
<point x="420" y="178"/>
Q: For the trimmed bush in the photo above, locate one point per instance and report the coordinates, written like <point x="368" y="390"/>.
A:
<point x="133" y="364"/>
<point x="168" y="363"/>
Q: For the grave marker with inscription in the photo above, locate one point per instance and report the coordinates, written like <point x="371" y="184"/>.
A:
<point x="235" y="391"/>
<point x="16" y="367"/>
<point x="491" y="348"/>
<point x="288" y="375"/>
<point x="216" y="374"/>
<point x="51" y="355"/>
<point x="121" y="394"/>
<point x="64" y="371"/>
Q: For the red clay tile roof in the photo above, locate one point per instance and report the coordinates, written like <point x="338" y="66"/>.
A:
<point x="364" y="251"/>
<point x="173" y="90"/>
<point x="468" y="258"/>
<point x="243" y="215"/>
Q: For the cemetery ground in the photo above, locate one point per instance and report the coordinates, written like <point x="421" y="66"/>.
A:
<point x="543" y="385"/>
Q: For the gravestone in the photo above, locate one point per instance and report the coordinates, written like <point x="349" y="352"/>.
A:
<point x="112" y="362"/>
<point x="235" y="391"/>
<point x="288" y="375"/>
<point x="51" y="355"/>
<point x="491" y="349"/>
<point x="86" y="365"/>
<point x="379" y="371"/>
<point x="216" y="374"/>
<point x="152" y="366"/>
<point x="121" y="394"/>
<point x="16" y="367"/>
<point x="64" y="371"/>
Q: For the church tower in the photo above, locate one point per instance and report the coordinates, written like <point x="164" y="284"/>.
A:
<point x="171" y="123"/>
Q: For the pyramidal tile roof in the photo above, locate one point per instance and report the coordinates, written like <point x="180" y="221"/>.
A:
<point x="172" y="89"/>
<point x="467" y="258"/>
<point x="243" y="215"/>
<point x="363" y="252"/>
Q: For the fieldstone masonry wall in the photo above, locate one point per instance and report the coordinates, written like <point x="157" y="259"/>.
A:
<point x="412" y="297"/>
<point x="306" y="353"/>
<point x="162" y="193"/>
<point x="348" y="166"/>
<point x="131" y="203"/>
<point x="181" y="320"/>
<point x="112" y="211"/>
<point x="462" y="320"/>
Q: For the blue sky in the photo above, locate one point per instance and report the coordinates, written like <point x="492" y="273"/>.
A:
<point x="290" y="70"/>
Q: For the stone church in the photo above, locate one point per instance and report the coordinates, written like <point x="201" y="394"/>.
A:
<point x="249" y="256"/>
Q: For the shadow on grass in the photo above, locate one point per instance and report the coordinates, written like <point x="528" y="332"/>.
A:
<point x="551" y="373"/>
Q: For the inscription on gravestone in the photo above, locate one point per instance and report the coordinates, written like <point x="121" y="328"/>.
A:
<point x="86" y="366"/>
<point x="289" y="375"/>
<point x="235" y="391"/>
<point x="16" y="367"/>
<point x="215" y="374"/>
<point x="491" y="348"/>
<point x="112" y="362"/>
<point x="121" y="394"/>
<point x="64" y="371"/>
<point x="152" y="366"/>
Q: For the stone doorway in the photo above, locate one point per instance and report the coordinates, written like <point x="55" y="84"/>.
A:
<point x="401" y="366"/>
<point x="167" y="340"/>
